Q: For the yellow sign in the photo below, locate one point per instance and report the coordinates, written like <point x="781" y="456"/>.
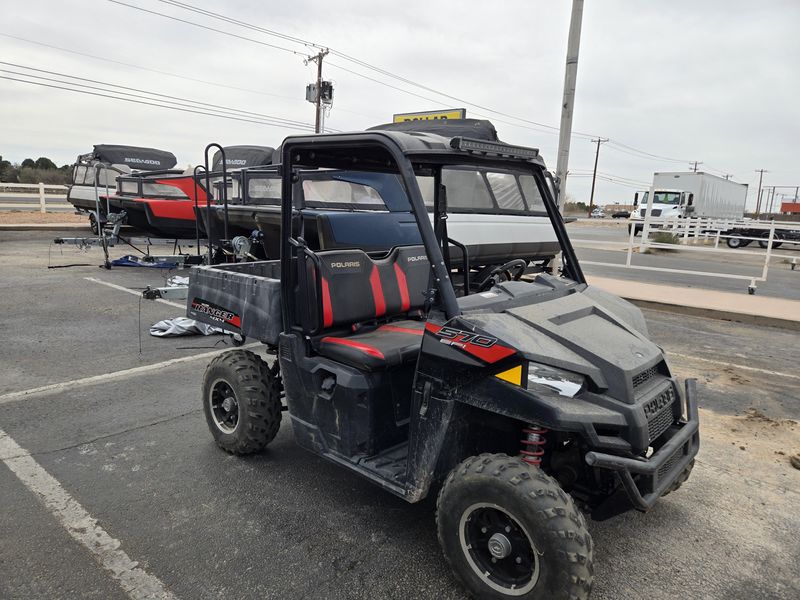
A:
<point x="433" y="115"/>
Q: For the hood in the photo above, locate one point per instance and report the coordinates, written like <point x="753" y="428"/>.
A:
<point x="578" y="330"/>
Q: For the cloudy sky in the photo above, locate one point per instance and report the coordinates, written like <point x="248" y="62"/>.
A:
<point x="713" y="81"/>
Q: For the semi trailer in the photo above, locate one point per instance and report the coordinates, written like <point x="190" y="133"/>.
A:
<point x="688" y="195"/>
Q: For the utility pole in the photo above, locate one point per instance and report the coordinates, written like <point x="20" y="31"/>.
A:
<point x="318" y="101"/>
<point x="758" y="196"/>
<point x="696" y="163"/>
<point x="598" y="141"/>
<point x="568" y="101"/>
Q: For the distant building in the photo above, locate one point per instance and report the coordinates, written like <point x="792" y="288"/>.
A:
<point x="790" y="208"/>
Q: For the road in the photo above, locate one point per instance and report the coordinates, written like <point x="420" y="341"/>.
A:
<point x="131" y="450"/>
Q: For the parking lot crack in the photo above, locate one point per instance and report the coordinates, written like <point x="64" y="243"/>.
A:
<point x="104" y="437"/>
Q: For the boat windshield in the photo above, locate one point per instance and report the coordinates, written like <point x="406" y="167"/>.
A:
<point x="471" y="190"/>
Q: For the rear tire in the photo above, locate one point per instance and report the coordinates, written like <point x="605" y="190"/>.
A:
<point x="242" y="401"/>
<point x="508" y="530"/>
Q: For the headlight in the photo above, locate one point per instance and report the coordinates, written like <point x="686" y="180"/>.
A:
<point x="563" y="382"/>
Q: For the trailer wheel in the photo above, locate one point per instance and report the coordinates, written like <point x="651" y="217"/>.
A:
<point x="735" y="242"/>
<point x="508" y="530"/>
<point x="680" y="480"/>
<point x="775" y="241"/>
<point x="93" y="224"/>
<point x="242" y="401"/>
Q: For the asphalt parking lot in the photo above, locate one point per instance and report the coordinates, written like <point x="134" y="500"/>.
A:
<point x="111" y="448"/>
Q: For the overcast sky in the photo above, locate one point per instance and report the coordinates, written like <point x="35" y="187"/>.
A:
<point x="713" y="81"/>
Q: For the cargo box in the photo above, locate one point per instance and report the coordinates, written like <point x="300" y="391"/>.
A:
<point x="240" y="298"/>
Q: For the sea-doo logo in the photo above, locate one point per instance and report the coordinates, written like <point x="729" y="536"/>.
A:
<point x="143" y="161"/>
<point x="656" y="404"/>
<point x="235" y="161"/>
<point x="216" y="313"/>
<point x="345" y="264"/>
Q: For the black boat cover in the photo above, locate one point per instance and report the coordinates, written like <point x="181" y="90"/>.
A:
<point x="141" y="159"/>
<point x="471" y="128"/>
<point x="237" y="157"/>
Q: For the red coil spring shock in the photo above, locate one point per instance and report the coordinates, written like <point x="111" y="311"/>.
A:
<point x="533" y="444"/>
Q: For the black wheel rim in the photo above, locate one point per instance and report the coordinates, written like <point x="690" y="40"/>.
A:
<point x="499" y="549"/>
<point x="224" y="406"/>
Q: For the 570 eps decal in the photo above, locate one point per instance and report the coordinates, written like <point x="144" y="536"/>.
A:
<point x="484" y="347"/>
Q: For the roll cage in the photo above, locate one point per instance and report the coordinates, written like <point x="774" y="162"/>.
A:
<point x="407" y="155"/>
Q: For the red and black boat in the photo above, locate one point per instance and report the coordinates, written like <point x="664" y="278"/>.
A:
<point x="163" y="203"/>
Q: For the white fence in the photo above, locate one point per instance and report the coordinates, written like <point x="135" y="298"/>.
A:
<point x="705" y="236"/>
<point x="41" y="191"/>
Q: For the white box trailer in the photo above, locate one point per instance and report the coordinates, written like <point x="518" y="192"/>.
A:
<point x="711" y="196"/>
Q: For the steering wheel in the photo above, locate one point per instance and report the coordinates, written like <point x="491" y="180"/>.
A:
<point x="513" y="270"/>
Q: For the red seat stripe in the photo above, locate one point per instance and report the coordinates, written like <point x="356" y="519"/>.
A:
<point x="327" y="310"/>
<point x="400" y="329"/>
<point x="402" y="286"/>
<point x="377" y="292"/>
<point x="366" y="348"/>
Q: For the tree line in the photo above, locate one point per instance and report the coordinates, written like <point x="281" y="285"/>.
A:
<point x="41" y="170"/>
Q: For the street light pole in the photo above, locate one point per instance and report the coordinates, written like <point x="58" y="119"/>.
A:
<point x="568" y="101"/>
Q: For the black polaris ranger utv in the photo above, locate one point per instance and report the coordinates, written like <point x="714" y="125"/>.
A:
<point x="520" y="397"/>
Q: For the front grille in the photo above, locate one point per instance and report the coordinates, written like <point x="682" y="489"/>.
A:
<point x="658" y="412"/>
<point x="656" y="212"/>
<point x="641" y="378"/>
<point x="664" y="469"/>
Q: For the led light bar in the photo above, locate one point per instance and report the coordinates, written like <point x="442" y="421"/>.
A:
<point x="492" y="148"/>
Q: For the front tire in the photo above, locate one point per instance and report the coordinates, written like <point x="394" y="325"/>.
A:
<point x="242" y="401"/>
<point x="508" y="530"/>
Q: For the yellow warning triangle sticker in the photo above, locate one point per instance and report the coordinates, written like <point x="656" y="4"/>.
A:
<point x="513" y="375"/>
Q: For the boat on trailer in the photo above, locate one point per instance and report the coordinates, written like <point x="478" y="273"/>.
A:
<point x="94" y="174"/>
<point x="163" y="204"/>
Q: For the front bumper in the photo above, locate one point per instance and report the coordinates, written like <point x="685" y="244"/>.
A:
<point x="659" y="472"/>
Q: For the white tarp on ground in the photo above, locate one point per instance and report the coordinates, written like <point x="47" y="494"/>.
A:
<point x="182" y="326"/>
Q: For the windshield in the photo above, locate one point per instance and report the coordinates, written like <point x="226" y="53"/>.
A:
<point x="666" y="198"/>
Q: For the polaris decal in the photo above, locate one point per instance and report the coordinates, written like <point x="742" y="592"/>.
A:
<point x="216" y="313"/>
<point x="484" y="347"/>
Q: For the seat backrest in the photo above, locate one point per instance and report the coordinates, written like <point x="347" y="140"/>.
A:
<point x="355" y="288"/>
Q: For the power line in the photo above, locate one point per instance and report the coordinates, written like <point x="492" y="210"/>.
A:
<point x="352" y="59"/>
<point x="170" y="74"/>
<point x="133" y="66"/>
<point x="206" y="27"/>
<point x="76" y="87"/>
<point x="543" y="127"/>
<point x="167" y="98"/>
